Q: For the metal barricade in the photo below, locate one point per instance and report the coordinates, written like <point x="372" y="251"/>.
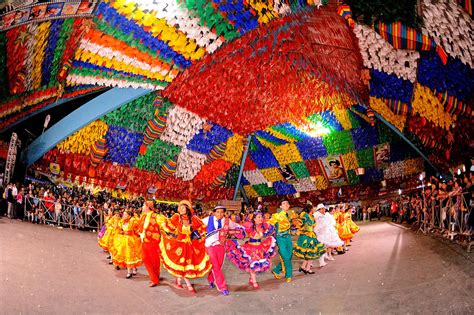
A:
<point x="70" y="216"/>
<point x="449" y="218"/>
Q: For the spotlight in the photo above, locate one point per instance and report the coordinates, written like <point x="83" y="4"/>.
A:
<point x="399" y="191"/>
<point x="270" y="184"/>
<point x="459" y="171"/>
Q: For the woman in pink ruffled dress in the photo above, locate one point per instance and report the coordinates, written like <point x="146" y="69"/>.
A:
<point x="255" y="255"/>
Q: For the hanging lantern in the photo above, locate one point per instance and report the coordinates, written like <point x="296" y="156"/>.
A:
<point x="360" y="171"/>
<point x="297" y="195"/>
<point x="270" y="184"/>
<point x="371" y="115"/>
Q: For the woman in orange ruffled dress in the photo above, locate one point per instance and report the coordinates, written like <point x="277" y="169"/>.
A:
<point x="339" y="217"/>
<point x="127" y="249"/>
<point x="182" y="249"/>
<point x="348" y="227"/>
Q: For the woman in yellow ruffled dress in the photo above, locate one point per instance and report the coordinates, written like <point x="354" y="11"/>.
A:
<point x="127" y="249"/>
<point x="106" y="242"/>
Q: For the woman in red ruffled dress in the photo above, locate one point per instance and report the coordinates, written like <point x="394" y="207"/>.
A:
<point x="255" y="255"/>
<point x="182" y="248"/>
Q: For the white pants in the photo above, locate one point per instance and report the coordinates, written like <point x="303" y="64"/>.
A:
<point x="10" y="210"/>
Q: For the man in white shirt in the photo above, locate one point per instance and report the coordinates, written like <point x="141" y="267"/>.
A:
<point x="218" y="228"/>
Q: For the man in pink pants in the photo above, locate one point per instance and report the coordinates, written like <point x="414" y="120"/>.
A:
<point x="218" y="228"/>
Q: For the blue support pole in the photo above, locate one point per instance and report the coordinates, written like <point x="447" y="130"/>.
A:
<point x="389" y="125"/>
<point x="242" y="164"/>
<point x="79" y="118"/>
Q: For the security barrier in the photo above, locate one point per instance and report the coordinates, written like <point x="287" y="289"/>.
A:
<point x="43" y="211"/>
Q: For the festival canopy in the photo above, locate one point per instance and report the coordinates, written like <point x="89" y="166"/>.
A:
<point x="316" y="95"/>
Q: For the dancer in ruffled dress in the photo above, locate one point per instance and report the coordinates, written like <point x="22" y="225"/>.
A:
<point x="307" y="246"/>
<point x="112" y="226"/>
<point x="255" y="255"/>
<point x="348" y="227"/>
<point x="127" y="248"/>
<point x="326" y="230"/>
<point x="182" y="249"/>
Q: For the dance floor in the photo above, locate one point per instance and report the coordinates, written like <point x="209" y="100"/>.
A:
<point x="388" y="269"/>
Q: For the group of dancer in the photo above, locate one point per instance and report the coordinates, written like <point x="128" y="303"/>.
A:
<point x="189" y="247"/>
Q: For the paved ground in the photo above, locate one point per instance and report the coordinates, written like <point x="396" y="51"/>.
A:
<point x="388" y="269"/>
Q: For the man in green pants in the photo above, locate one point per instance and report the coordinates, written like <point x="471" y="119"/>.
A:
<point x="282" y="221"/>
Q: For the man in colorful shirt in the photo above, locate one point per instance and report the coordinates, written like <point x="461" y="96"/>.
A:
<point x="218" y="228"/>
<point x="282" y="221"/>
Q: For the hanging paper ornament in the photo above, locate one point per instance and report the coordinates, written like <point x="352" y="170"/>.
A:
<point x="123" y="144"/>
<point x="454" y="78"/>
<point x="350" y="161"/>
<point x="371" y="115"/>
<point x="168" y="168"/>
<point x="346" y="13"/>
<point x="250" y="192"/>
<point x="396" y="169"/>
<point x="181" y="126"/>
<point x="311" y="148"/>
<point x="98" y="151"/>
<point x="263" y="190"/>
<point x="283" y="188"/>
<point x="413" y="166"/>
<point x="217" y="152"/>
<point x="321" y="182"/>
<point x="364" y="137"/>
<point x="189" y="164"/>
<point x="339" y="142"/>
<point x="352" y="177"/>
<point x="451" y="27"/>
<point x="300" y="170"/>
<point x="428" y="105"/>
<point x="304" y="184"/>
<point x="378" y="54"/>
<point x="153" y="130"/>
<point x="263" y="158"/>
<point x="232" y="176"/>
<point x="365" y="158"/>
<point x="133" y="115"/>
<point x="157" y="153"/>
<point x="271" y="174"/>
<point x="287" y="153"/>
<point x="381" y="108"/>
<point x="234" y="149"/>
<point x="82" y="141"/>
<point x="383" y="85"/>
<point x="255" y="177"/>
<point x="205" y="140"/>
<point x="209" y="172"/>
